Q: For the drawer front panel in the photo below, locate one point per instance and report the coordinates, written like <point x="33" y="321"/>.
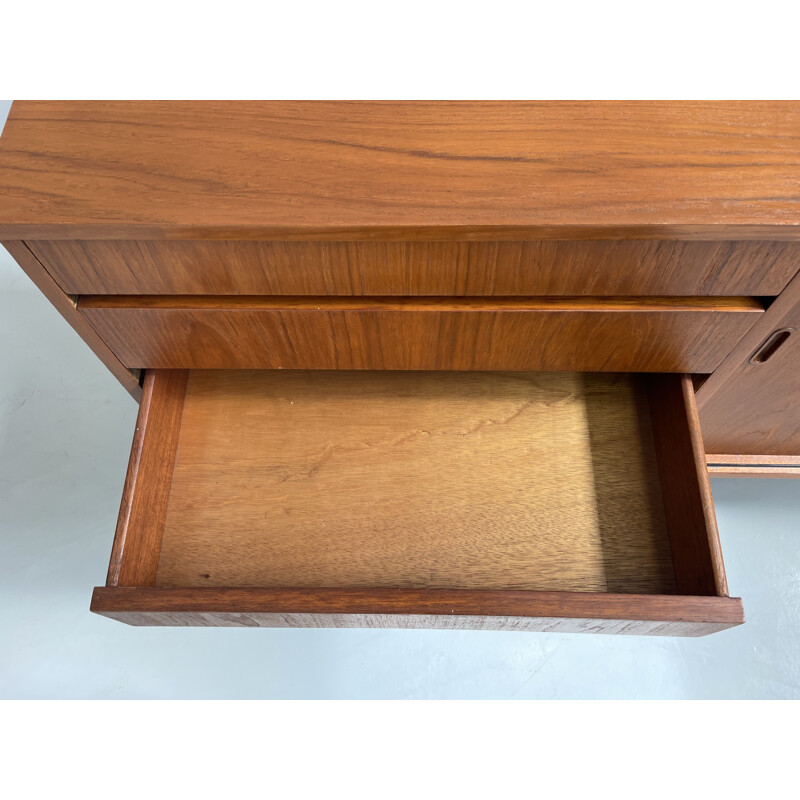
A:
<point x="643" y="267"/>
<point x="590" y="335"/>
<point x="545" y="612"/>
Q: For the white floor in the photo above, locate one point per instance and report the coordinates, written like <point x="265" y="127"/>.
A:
<point x="65" y="434"/>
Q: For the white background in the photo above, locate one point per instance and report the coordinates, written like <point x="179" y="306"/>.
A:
<point x="65" y="429"/>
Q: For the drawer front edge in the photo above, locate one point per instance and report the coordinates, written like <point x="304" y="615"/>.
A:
<point x="575" y="612"/>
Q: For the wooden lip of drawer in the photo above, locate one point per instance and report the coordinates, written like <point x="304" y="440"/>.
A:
<point x="563" y="612"/>
<point x="615" y="334"/>
<point x="516" y="501"/>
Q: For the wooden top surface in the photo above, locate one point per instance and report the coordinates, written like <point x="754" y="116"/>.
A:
<point x="400" y="170"/>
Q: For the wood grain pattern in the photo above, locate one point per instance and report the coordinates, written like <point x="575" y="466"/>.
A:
<point x="739" y="466"/>
<point x="599" y="334"/>
<point x="408" y="608"/>
<point x="751" y="408"/>
<point x="689" y="507"/>
<point x="544" y="481"/>
<point x="137" y="542"/>
<point x="401" y="170"/>
<point x="67" y="307"/>
<point x="643" y="267"/>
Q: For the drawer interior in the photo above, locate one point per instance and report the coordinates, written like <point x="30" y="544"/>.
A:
<point x="543" y="481"/>
<point x="539" y="484"/>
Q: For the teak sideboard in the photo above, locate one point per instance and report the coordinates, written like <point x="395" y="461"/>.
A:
<point x="412" y="364"/>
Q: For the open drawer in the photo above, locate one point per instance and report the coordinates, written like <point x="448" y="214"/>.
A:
<point x="514" y="501"/>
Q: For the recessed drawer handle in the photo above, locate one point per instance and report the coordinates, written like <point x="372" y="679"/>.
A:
<point x="770" y="346"/>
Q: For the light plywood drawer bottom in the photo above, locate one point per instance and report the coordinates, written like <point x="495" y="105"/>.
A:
<point x="526" y="501"/>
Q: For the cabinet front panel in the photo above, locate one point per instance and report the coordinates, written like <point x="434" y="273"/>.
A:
<point x="644" y="267"/>
<point x="751" y="404"/>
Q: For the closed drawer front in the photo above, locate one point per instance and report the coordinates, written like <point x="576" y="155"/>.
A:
<point x="543" y="501"/>
<point x="582" y="334"/>
<point x="750" y="406"/>
<point x="756" y="411"/>
<point x="614" y="267"/>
